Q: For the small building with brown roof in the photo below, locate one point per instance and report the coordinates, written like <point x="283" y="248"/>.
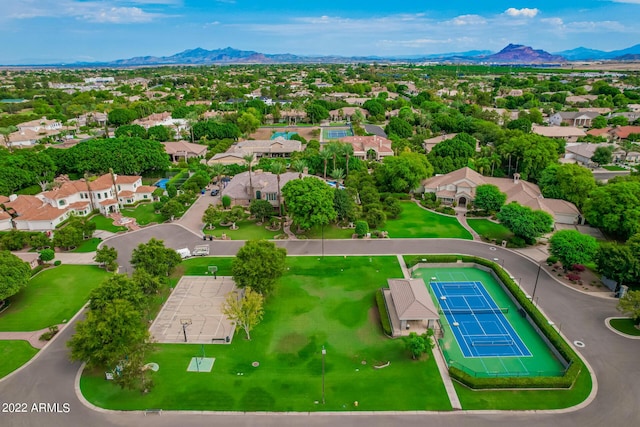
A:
<point x="409" y="305"/>
<point x="568" y="133"/>
<point x="263" y="186"/>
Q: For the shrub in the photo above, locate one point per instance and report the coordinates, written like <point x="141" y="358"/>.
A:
<point x="573" y="277"/>
<point x="362" y="228"/>
<point x="578" y="267"/>
<point x="57" y="262"/>
<point x="50" y="333"/>
<point x="516" y="242"/>
<point x="384" y="316"/>
<point x="226" y="201"/>
<point x="552" y="260"/>
<point x="447" y="210"/>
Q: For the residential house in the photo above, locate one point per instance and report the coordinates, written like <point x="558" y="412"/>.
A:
<point x="573" y="118"/>
<point x="163" y="119"/>
<point x="31" y="258"/>
<point x="631" y="116"/>
<point x="107" y="193"/>
<point x="5" y="221"/>
<point x="428" y="144"/>
<point x="227" y="158"/>
<point x="623" y="132"/>
<point x="582" y="152"/>
<point x="278" y="147"/>
<point x="183" y="150"/>
<point x="346" y="113"/>
<point x="40" y="125"/>
<point x="460" y="187"/>
<point x="264" y="186"/>
<point x="369" y="147"/>
<point x="568" y="133"/>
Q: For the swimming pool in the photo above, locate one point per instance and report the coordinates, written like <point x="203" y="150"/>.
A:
<point x="162" y="183"/>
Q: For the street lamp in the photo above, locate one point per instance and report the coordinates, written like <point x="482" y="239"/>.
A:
<point x="324" y="353"/>
<point x="535" y="286"/>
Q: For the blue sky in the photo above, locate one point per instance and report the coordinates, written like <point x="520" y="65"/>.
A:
<point x="99" y="30"/>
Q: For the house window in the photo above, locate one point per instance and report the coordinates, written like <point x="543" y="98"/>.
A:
<point x="81" y="196"/>
<point x="62" y="203"/>
<point x="271" y="196"/>
<point x="119" y="189"/>
<point x="145" y="196"/>
<point x="105" y="195"/>
<point x="99" y="196"/>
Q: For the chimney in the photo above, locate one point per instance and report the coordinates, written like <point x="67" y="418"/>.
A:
<point x="13" y="197"/>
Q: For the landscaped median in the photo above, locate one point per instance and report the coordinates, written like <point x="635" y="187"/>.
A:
<point x="13" y="354"/>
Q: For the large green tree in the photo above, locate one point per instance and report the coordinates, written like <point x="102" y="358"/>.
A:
<point x="617" y="262"/>
<point x="572" y="247"/>
<point x="14" y="274"/>
<point x="569" y="182"/>
<point x="155" y="258"/>
<point x="258" y="265"/>
<point x="309" y="201"/>
<point x="118" y="286"/>
<point x="452" y="154"/>
<point x="489" y="198"/>
<point x="529" y="154"/>
<point x="525" y="222"/>
<point x="106" y="256"/>
<point x="403" y="173"/>
<point x="615" y="208"/>
<point x="115" y="337"/>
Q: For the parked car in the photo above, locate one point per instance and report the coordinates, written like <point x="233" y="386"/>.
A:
<point x="215" y="192"/>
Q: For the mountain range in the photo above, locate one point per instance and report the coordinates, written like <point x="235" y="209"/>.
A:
<point x="511" y="54"/>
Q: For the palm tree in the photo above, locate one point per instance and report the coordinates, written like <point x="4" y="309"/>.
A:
<point x="299" y="166"/>
<point x="325" y="155"/>
<point x="338" y="175"/>
<point x="333" y="148"/>
<point x="248" y="158"/>
<point x="217" y="169"/>
<point x="277" y="168"/>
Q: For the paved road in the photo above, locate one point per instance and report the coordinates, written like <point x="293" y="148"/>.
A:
<point x="51" y="377"/>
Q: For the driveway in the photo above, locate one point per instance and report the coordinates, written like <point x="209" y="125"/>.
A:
<point x="50" y="377"/>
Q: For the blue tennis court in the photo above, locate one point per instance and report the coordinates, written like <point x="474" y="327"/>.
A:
<point x="480" y="327"/>
<point x="337" y="133"/>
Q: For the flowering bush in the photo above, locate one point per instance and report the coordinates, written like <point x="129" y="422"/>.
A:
<point x="573" y="277"/>
<point x="578" y="267"/>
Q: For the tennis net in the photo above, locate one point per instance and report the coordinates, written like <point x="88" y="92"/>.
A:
<point x="504" y="310"/>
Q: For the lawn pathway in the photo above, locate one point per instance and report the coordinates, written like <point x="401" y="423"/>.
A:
<point x="33" y="337"/>
<point x="461" y="215"/>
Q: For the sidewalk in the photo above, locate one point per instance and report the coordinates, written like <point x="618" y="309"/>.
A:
<point x="33" y="337"/>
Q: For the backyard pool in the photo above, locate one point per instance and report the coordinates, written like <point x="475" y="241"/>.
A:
<point x="162" y="183"/>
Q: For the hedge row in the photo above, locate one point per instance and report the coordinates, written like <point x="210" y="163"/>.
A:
<point x="575" y="364"/>
<point x="384" y="315"/>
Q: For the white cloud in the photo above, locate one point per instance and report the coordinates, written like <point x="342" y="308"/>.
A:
<point x="524" y="12"/>
<point x="96" y="11"/>
<point x="553" y="21"/>
<point x="468" y="20"/>
<point x="416" y="43"/>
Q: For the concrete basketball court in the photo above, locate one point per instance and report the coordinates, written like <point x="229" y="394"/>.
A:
<point x="196" y="300"/>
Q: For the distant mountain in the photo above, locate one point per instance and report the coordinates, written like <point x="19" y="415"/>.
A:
<point x="517" y="53"/>
<point x="584" y="54"/>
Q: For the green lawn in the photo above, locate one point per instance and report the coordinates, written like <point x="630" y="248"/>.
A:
<point x="614" y="168"/>
<point x="489" y="229"/>
<point x="198" y="266"/>
<point x="106" y="224"/>
<point x="416" y="222"/>
<point x="247" y="230"/>
<point x="144" y="214"/>
<point x="88" y="245"/>
<point x="330" y="232"/>
<point x="526" y="399"/>
<point x="327" y="302"/>
<point x="626" y="326"/>
<point x="13" y="355"/>
<point x="51" y="297"/>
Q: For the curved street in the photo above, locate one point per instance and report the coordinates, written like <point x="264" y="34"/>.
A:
<point x="51" y="378"/>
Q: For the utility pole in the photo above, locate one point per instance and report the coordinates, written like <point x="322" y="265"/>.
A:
<point x="324" y="353"/>
<point x="535" y="286"/>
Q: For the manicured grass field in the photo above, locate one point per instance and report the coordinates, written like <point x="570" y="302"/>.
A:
<point x="626" y="326"/>
<point x="327" y="302"/>
<point x="614" y="168"/>
<point x="89" y="245"/>
<point x="247" y="230"/>
<point x="415" y="222"/>
<point x="198" y="266"/>
<point x="489" y="229"/>
<point x="526" y="399"/>
<point x="13" y="355"/>
<point x="51" y="297"/>
<point x="330" y="232"/>
<point x="144" y="214"/>
<point x="106" y="224"/>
